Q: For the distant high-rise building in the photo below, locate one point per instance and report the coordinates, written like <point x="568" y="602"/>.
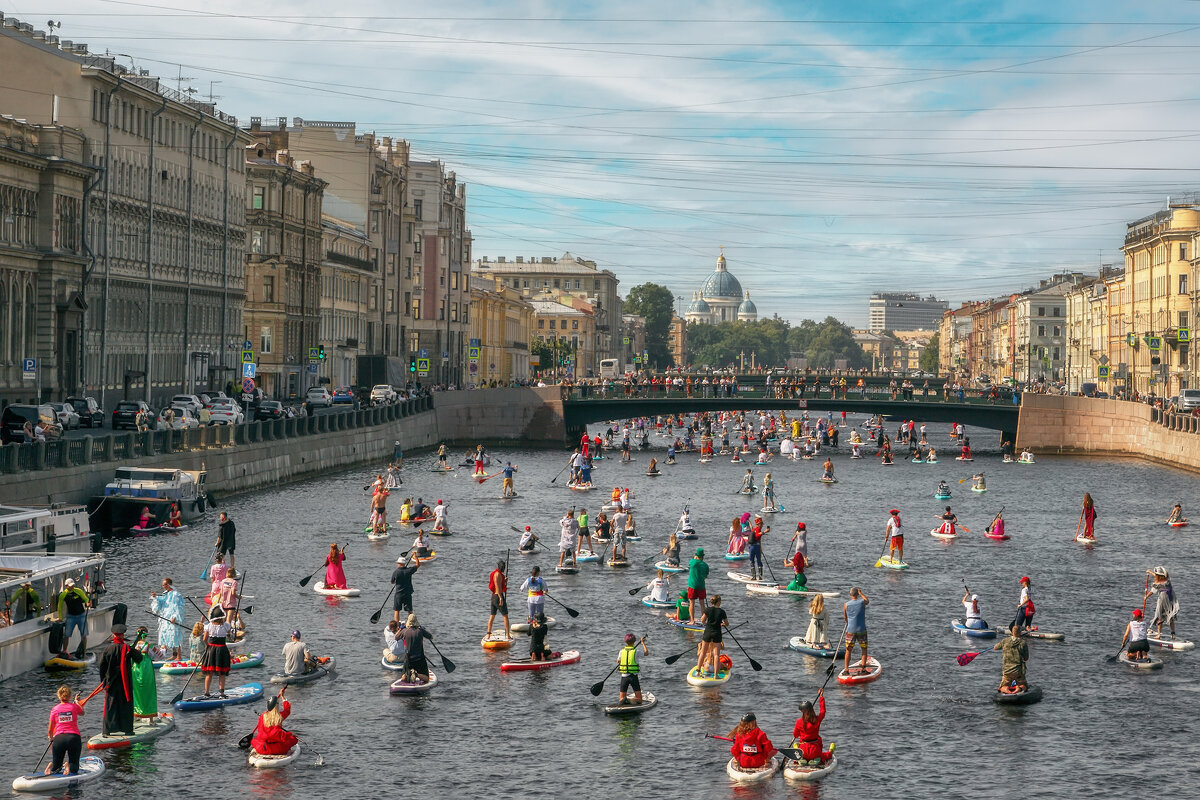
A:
<point x="892" y="311"/>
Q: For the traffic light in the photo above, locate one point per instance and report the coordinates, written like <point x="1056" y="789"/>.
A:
<point x="412" y="363"/>
<point x="320" y="351"/>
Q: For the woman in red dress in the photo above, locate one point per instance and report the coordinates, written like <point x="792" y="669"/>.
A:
<point x="751" y="747"/>
<point x="335" y="577"/>
<point x="807" y="733"/>
<point x="270" y="739"/>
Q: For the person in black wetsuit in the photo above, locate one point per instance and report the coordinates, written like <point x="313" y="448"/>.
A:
<point x="537" y="639"/>
<point x="227" y="540"/>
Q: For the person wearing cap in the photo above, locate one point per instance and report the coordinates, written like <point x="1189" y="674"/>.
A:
<point x="1166" y="607"/>
<point x="216" y="660"/>
<point x="806" y="735"/>
<point x="169" y="608"/>
<point x="297" y="660"/>
<point x="526" y="545"/>
<point x="509" y="488"/>
<point x="1014" y="652"/>
<point x="116" y="674"/>
<point x="440" y="523"/>
<point x="538" y="651"/>
<point x="697" y="574"/>
<point x="1025" y="607"/>
<point x="751" y="748"/>
<point x="1136" y="631"/>
<point x="498" y="587"/>
<point x="402" y="596"/>
<point x="416" y="667"/>
<point x="972" y="618"/>
<point x="627" y="665"/>
<point x="72" y="607"/>
<point x="895" y="536"/>
<point x="270" y="739"/>
<point x="625" y="499"/>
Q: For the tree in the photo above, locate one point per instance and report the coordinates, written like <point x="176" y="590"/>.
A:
<point x="656" y="303"/>
<point x="822" y="343"/>
<point x="929" y="356"/>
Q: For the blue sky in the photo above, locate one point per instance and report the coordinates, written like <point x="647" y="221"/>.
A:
<point x="960" y="149"/>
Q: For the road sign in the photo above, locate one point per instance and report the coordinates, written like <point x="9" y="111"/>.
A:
<point x="247" y="356"/>
<point x="1131" y="339"/>
<point x="314" y="354"/>
<point x="1154" y="343"/>
<point x="247" y="345"/>
<point x="475" y="342"/>
<point x="1102" y="373"/>
<point x="424" y="353"/>
<point x="312" y="369"/>
<point x="28" y="369"/>
<point x="423" y="365"/>
<point x="802" y="403"/>
<point x="625" y="341"/>
<point x="247" y="385"/>
<point x="1184" y="335"/>
<point x="474" y="366"/>
<point x="473" y="352"/>
<point x="248" y="370"/>
<point x="445" y="355"/>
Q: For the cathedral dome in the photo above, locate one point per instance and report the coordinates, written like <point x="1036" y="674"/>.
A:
<point x="698" y="305"/>
<point x="747" y="308"/>
<point x="721" y="285"/>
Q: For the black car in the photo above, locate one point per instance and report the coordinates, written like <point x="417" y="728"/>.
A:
<point x="12" y="422"/>
<point x="125" y="414"/>
<point x="89" y="411"/>
<point x="268" y="409"/>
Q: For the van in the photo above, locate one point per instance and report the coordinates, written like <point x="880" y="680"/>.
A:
<point x="12" y="422"/>
<point x="1189" y="399"/>
<point x="1087" y="390"/>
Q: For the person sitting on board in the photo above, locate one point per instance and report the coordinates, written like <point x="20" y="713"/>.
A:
<point x="420" y="511"/>
<point x="146" y="520"/>
<point x="526" y="545"/>
<point x="931" y="456"/>
<point x="799" y="582"/>
<point x="977" y="481"/>
<point x="827" y="475"/>
<point x="1025" y="607"/>
<point x="671" y="551"/>
<point x="949" y="521"/>
<point x="660" y="588"/>
<point x="806" y="735"/>
<point x="818" y="623"/>
<point x="973" y="618"/>
<point x="1136" y="631"/>
<point x="627" y="665"/>
<point x="270" y="739"/>
<point x="1014" y="653"/>
<point x="421" y="545"/>
<point x="335" y="576"/>
<point x="297" y="660"/>
<point x="751" y="748"/>
<point x="1176" y="514"/>
<point x="748" y="482"/>
<point x="685" y="521"/>
<point x="996" y="529"/>
<point x="943" y="489"/>
<point x="652" y="469"/>
<point x="416" y="667"/>
<point x="175" y="518"/>
<point x="389" y="638"/>
<point x="538" y="651"/>
<point x="406" y="510"/>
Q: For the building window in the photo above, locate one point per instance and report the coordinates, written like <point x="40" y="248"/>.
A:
<point x="574" y="324"/>
<point x="1183" y="319"/>
<point x="417" y="245"/>
<point x="1057" y="330"/>
<point x="1183" y="283"/>
<point x="391" y="300"/>
<point x="1183" y="355"/>
<point x="1183" y="251"/>
<point x="578" y="284"/>
<point x="454" y="312"/>
<point x="1041" y="330"/>
<point x="453" y="280"/>
<point x="541" y="324"/>
<point x="1041" y="311"/>
<point x="257" y="242"/>
<point x="373" y="298"/>
<point x="552" y="324"/>
<point x="265" y="344"/>
<point x="268" y="288"/>
<point x="259" y="197"/>
<point x="417" y="206"/>
<point x="525" y="286"/>
<point x="556" y="286"/>
<point x="416" y="308"/>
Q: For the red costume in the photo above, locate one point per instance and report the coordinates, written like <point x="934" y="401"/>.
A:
<point x="808" y="735"/>
<point x="273" y="741"/>
<point x="752" y="749"/>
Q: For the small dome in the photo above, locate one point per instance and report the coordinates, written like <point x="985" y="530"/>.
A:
<point x="747" y="307"/>
<point x="698" y="305"/>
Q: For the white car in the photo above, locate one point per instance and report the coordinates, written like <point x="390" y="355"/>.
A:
<point x="189" y="400"/>
<point x="68" y="417"/>
<point x="177" y="418"/>
<point x="318" y="396"/>
<point x="383" y="393"/>
<point x="226" y="412"/>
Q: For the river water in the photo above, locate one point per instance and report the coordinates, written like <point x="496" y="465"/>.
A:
<point x="926" y="728"/>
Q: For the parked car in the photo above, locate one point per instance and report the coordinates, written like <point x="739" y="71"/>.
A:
<point x="67" y="418"/>
<point x="177" y="418"/>
<point x="125" y="414"/>
<point x="383" y="393"/>
<point x="318" y="396"/>
<point x="12" y="422"/>
<point x="343" y="394"/>
<point x="190" y="400"/>
<point x="269" y="409"/>
<point x="1189" y="399"/>
<point x="226" y="412"/>
<point x="89" y="411"/>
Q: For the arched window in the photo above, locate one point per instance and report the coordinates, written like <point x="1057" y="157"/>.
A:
<point x="30" y="322"/>
<point x="18" y="325"/>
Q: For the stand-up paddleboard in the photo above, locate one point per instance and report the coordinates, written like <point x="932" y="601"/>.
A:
<point x="665" y="567"/>
<point x="237" y="695"/>
<point x="567" y="569"/>
<point x="798" y="644"/>
<point x="737" y="556"/>
<point x="1180" y="524"/>
<point x="705" y="679"/>
<point x="61" y="663"/>
<point x="808" y="770"/>
<point x="144" y="729"/>
<point x="1028" y="697"/>
<point x="90" y="768"/>
<point x="937" y="532"/>
<point x="688" y="625"/>
<point x="937" y="496"/>
<point x="395" y="666"/>
<point x="618" y="563"/>
<point x="319" y="588"/>
<point x="418" y="686"/>
<point x="496" y="640"/>
<point x="259" y="761"/>
<point x="650" y="603"/>
<point x="1050" y="636"/>
<point x="855" y="675"/>
<point x="379" y="536"/>
<point x="960" y="458"/>
<point x="780" y="591"/>
<point x="1169" y="642"/>
<point x="957" y="626"/>
<point x="1086" y="541"/>
<point x="523" y="627"/>
<point x="688" y="534"/>
<point x="745" y="577"/>
<point x="306" y="677"/>
<point x="1148" y="663"/>
<point x="243" y="661"/>
<point x="891" y="563"/>
<point x="756" y="775"/>
<point x="980" y="489"/>
<point x="587" y="558"/>
<point x="631" y="706"/>
<point x="828" y="480"/>
<point x="1003" y="537"/>
<point x="529" y="665"/>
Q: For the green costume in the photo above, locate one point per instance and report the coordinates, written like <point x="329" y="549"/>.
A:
<point x="145" y="689"/>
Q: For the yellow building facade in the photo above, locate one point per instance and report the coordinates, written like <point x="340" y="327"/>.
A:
<point x="502" y="322"/>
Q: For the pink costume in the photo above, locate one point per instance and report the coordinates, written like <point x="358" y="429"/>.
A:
<point x="998" y="528"/>
<point x="218" y="573"/>
<point x="335" y="578"/>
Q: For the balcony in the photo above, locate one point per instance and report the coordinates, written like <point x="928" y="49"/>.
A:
<point x="350" y="261"/>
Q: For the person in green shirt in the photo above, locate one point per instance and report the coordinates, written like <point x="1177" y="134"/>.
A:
<point x="25" y="603"/>
<point x="1014" y="653"/>
<point x="584" y="533"/>
<point x="627" y="665"/>
<point x="697" y="573"/>
<point x="72" y="609"/>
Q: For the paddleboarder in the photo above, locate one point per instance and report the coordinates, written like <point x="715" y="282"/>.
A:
<point x="799" y="543"/>
<point x="806" y="734"/>
<point x="568" y="537"/>
<point x="528" y="538"/>
<point x="538" y="651"/>
<point x="1176" y="514"/>
<point x="827" y="475"/>
<point x="768" y="493"/>
<point x="416" y="668"/>
<point x="996" y="529"/>
<point x="440" y="523"/>
<point x="378" y="521"/>
<point x="116" y="673"/>
<point x="1088" y="517"/>
<point x="671" y="551"/>
<point x="169" y="607"/>
<point x="420" y="545"/>
<point x="799" y="581"/>
<point x="711" y="641"/>
<point x="748" y="482"/>
<point x="1025" y="606"/>
<point x="854" y="612"/>
<point x="1014" y="653"/>
<point x="757" y="532"/>
<point x="697" y="574"/>
<point x="441" y="454"/>
<point x="270" y="739"/>
<point x="535" y="587"/>
<point x="216" y="660"/>
<point x="142" y="678"/>
<point x="627" y="665"/>
<point x="660" y="588"/>
<point x="972" y="618"/>
<point x="1166" y="606"/>
<point x="895" y="534"/>
<point x="949" y="523"/>
<point x="1135" y="633"/>
<point x="297" y="660"/>
<point x="818" y="623"/>
<point x="402" y="597"/>
<point x="335" y="577"/>
<point x="585" y="534"/>
<point x="751" y="748"/>
<point x="498" y="586"/>
<point x="63" y="733"/>
<point x="226" y="542"/>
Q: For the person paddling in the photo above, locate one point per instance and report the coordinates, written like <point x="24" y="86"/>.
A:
<point x="806" y="735"/>
<point x="660" y="588"/>
<point x="402" y="595"/>
<point x="671" y="551"/>
<point x="63" y="733"/>
<point x="895" y="534"/>
<point x="827" y="475"/>
<point x="270" y="738"/>
<point x="711" y="641"/>
<point x="170" y="609"/>
<point x="509" y="488"/>
<point x="748" y="482"/>
<point x="416" y="667"/>
<point x="335" y="576"/>
<point x="757" y="532"/>
<point x="585" y="533"/>
<point x="1166" y="607"/>
<point x="1136" y="631"/>
<point x="1088" y="518"/>
<point x="216" y="660"/>
<point x="568" y="538"/>
<point x="297" y="660"/>
<point x="498" y="586"/>
<point x="996" y="528"/>
<point x="528" y="539"/>
<point x="697" y="574"/>
<point x="1025" y="606"/>
<point x="972" y="618"/>
<point x="535" y="586"/>
<point x="751" y="748"/>
<point x="799" y="543"/>
<point x="799" y="582"/>
<point x="949" y="523"/>
<point x="627" y="665"/>
<point x="1014" y="654"/>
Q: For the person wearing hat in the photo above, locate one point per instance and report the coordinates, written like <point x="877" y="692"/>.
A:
<point x="526" y="545"/>
<point x="627" y="665"/>
<point x="1135" y="633"/>
<point x="72" y="608"/>
<point x="1025" y="606"/>
<point x="216" y="660"/>
<point x="972" y="616"/>
<point x="697" y="574"/>
<point x="270" y="739"/>
<point x="416" y="667"/>
<point x="1166" y="607"/>
<point x="1014" y="652"/>
<point x="402" y="596"/>
<point x="895" y="536"/>
<point x="806" y="735"/>
<point x="751" y="748"/>
<point x="116" y="674"/>
<point x="297" y="660"/>
<point x="143" y="678"/>
<point x="440" y="524"/>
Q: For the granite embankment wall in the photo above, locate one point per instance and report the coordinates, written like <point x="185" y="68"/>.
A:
<point x="1087" y="426"/>
<point x="255" y="455"/>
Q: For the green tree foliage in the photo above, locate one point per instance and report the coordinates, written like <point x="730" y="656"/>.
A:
<point x="656" y="303"/>
<point x="929" y="356"/>
<point x="772" y="341"/>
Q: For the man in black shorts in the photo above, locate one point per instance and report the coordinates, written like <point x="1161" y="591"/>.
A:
<point x="227" y="540"/>
<point x="498" y="586"/>
<point x="402" y="578"/>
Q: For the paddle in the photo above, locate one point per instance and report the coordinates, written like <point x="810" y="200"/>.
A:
<point x="841" y="642"/>
<point x="217" y="549"/>
<point x="173" y="622"/>
<point x="958" y="525"/>
<point x="572" y="612"/>
<point x="1076" y="536"/>
<point x="886" y="538"/>
<point x="560" y="472"/>
<point x="244" y="742"/>
<point x="1112" y="659"/>
<point x="597" y="688"/>
<point x="191" y="675"/>
<point x="966" y="658"/>
<point x="447" y="664"/>
<point x="204" y="614"/>
<point x="375" y="617"/>
<point x="674" y="658"/>
<point x="304" y="581"/>
<point x="791" y="753"/>
<point x="754" y="665"/>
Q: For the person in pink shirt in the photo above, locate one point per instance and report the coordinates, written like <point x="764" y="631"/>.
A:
<point x="63" y="733"/>
<point x="218" y="572"/>
<point x="335" y="576"/>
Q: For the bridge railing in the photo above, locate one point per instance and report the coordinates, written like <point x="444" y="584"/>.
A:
<point x="786" y="395"/>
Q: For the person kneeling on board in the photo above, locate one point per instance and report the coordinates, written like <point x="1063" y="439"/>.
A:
<point x="270" y="739"/>
<point x="1015" y="652"/>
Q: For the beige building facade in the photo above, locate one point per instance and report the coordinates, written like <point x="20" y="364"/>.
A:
<point x="502" y="320"/>
<point x="568" y="325"/>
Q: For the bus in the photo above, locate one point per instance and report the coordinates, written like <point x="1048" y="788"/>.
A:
<point x="610" y="368"/>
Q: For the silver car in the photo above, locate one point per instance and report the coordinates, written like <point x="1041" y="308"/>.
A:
<point x="68" y="417"/>
<point x="318" y="396"/>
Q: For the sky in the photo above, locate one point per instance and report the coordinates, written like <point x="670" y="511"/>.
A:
<point x="960" y="149"/>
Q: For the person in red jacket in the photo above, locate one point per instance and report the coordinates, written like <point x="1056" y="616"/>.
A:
<point x="807" y="733"/>
<point x="751" y="747"/>
<point x="270" y="739"/>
